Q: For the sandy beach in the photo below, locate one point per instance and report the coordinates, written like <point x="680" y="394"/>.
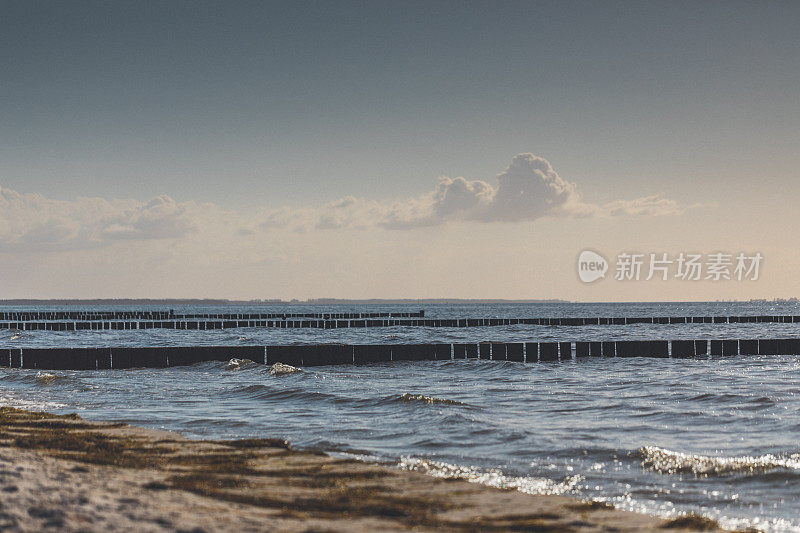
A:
<point x="67" y="474"/>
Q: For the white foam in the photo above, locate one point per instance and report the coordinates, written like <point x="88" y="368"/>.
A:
<point x="236" y="364"/>
<point x="279" y="369"/>
<point x="666" y="461"/>
<point x="490" y="478"/>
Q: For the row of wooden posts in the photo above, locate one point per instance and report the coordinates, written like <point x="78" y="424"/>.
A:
<point x="32" y="316"/>
<point x="337" y="354"/>
<point x="211" y="324"/>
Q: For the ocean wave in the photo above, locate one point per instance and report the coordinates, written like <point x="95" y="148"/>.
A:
<point x="280" y="369"/>
<point x="738" y="399"/>
<point x="420" y="398"/>
<point x="490" y="478"/>
<point x="335" y="447"/>
<point x="275" y="393"/>
<point x="271" y="392"/>
<point x="666" y="461"/>
<point x="31" y="405"/>
<point x="45" y="378"/>
<point x="238" y="364"/>
<point x="490" y="369"/>
<point x="16" y="334"/>
<point x="40" y="378"/>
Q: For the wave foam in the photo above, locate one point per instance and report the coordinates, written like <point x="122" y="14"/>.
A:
<point x="279" y="369"/>
<point x="490" y="478"/>
<point x="666" y="461"/>
<point x="406" y="397"/>
<point x="236" y="364"/>
<point x="45" y="378"/>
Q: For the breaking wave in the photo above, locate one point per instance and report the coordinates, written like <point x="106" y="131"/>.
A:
<point x="279" y="369"/>
<point x="414" y="398"/>
<point x="45" y="378"/>
<point x="237" y="364"/>
<point x="490" y="478"/>
<point x="666" y="461"/>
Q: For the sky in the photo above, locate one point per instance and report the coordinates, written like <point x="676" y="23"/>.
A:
<point x="375" y="149"/>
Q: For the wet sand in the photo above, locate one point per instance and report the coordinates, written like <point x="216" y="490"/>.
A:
<point x="67" y="474"/>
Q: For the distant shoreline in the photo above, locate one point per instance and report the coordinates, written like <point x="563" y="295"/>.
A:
<point x="316" y="301"/>
<point x="210" y="302"/>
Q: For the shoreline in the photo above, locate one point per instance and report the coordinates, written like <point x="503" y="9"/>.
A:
<point x="61" y="472"/>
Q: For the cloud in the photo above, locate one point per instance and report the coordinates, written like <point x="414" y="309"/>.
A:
<point x="160" y="218"/>
<point x="526" y="190"/>
<point x="349" y="212"/>
<point x="31" y="222"/>
<point x="655" y="205"/>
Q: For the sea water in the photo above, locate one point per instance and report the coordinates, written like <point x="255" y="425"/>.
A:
<point x="718" y="436"/>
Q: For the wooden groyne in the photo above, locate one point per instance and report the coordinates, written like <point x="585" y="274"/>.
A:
<point x="72" y="316"/>
<point x="340" y="354"/>
<point x="350" y="320"/>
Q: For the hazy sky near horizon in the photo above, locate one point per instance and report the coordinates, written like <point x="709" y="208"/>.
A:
<point x="377" y="149"/>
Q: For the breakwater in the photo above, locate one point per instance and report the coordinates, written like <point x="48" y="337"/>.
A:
<point x="136" y="315"/>
<point x="339" y="354"/>
<point x="205" y="322"/>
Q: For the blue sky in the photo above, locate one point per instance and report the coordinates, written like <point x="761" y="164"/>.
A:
<point x="248" y="109"/>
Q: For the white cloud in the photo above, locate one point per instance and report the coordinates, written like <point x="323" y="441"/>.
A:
<point x="649" y="205"/>
<point x="528" y="189"/>
<point x="31" y="222"/>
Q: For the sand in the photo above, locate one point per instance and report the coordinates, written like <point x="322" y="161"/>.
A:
<point x="62" y="473"/>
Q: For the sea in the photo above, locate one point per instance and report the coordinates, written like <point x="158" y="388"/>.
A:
<point x="716" y="436"/>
